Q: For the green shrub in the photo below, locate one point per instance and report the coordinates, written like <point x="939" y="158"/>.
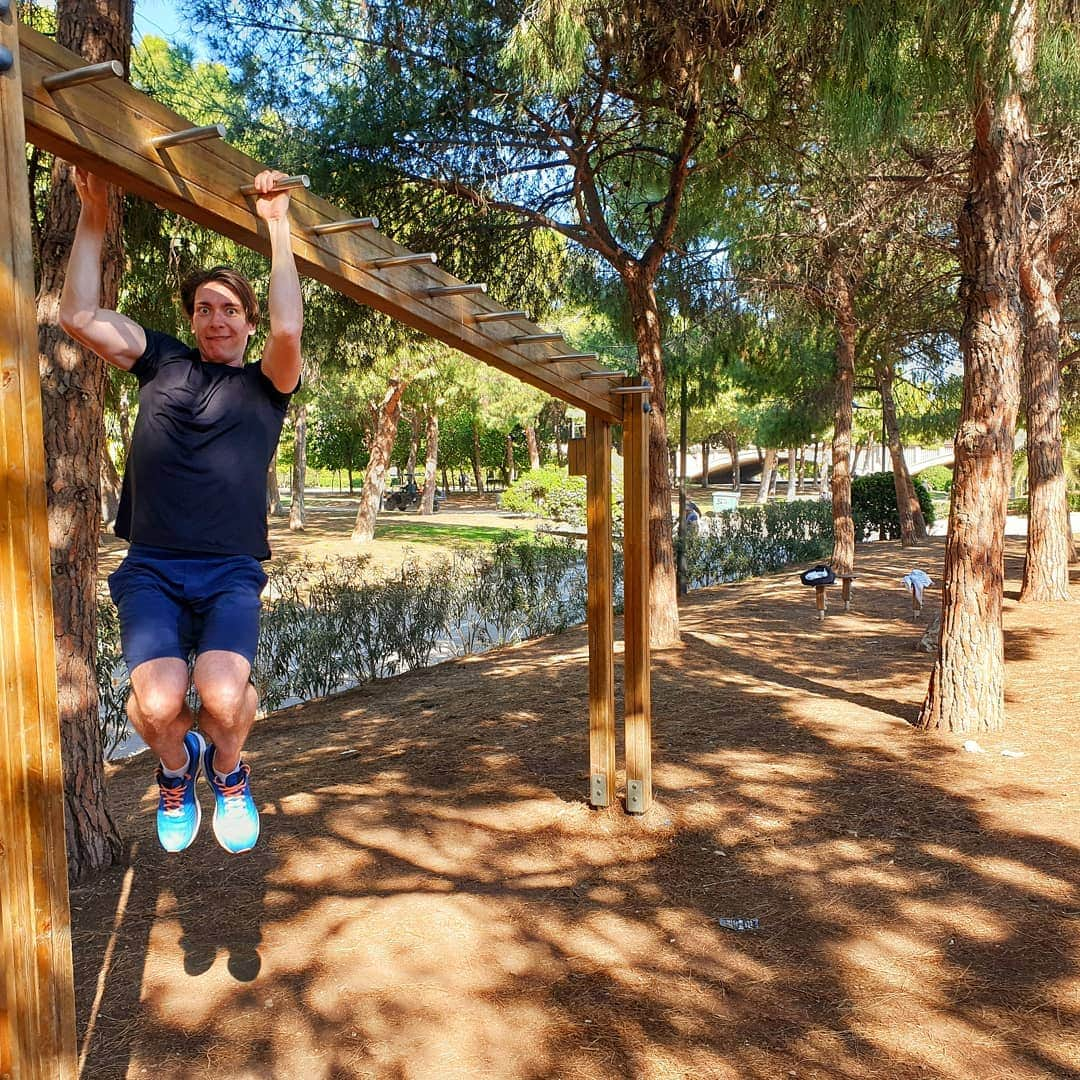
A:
<point x="1020" y="506"/>
<point x="550" y="493"/>
<point x="753" y="540"/>
<point x="873" y="505"/>
<point x="937" y="478"/>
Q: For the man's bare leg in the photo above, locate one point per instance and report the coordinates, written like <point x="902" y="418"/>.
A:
<point x="158" y="710"/>
<point x="229" y="703"/>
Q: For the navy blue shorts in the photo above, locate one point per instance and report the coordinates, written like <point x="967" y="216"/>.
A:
<point x="172" y="603"/>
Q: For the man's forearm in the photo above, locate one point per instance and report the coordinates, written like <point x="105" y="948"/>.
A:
<point x="284" y="299"/>
<point x="81" y="294"/>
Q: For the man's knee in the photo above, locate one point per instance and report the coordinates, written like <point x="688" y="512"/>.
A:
<point x="157" y="704"/>
<point x="224" y="687"/>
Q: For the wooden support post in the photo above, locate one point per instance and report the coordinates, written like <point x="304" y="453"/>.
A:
<point x="601" y="613"/>
<point x="845" y="589"/>
<point x="916" y="603"/>
<point x="37" y="997"/>
<point x="822" y="603"/>
<point x="638" y="686"/>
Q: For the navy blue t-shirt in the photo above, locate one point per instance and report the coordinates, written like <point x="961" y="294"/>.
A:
<point x="195" y="479"/>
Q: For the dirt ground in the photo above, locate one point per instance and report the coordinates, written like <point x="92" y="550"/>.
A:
<point x="433" y="898"/>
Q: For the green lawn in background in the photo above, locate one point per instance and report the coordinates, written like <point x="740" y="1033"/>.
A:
<point x="410" y="533"/>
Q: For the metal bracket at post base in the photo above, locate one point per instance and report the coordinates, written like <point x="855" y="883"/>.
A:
<point x="598" y="790"/>
<point x="635" y="796"/>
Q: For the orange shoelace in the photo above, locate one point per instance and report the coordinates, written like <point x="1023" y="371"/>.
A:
<point x="173" y="797"/>
<point x="232" y="791"/>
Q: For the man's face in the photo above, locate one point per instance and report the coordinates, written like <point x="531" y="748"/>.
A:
<point x="219" y="324"/>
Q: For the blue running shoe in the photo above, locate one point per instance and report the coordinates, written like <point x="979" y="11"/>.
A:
<point x="178" y="812"/>
<point x="236" y="818"/>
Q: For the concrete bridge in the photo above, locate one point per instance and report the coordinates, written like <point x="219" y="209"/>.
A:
<point x="917" y="458"/>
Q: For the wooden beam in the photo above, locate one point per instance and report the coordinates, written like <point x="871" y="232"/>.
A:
<point x="109" y="128"/>
<point x="37" y="999"/>
<point x="637" y="693"/>
<point x="600" y="613"/>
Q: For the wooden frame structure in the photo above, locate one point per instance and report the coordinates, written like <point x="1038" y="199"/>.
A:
<point x="91" y="117"/>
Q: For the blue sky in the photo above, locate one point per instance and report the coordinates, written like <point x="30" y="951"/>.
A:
<point x="159" y="18"/>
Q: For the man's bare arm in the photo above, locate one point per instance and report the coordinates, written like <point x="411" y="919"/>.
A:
<point x="281" y="355"/>
<point x="114" y="337"/>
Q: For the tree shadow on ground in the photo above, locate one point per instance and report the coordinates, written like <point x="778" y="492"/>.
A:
<point x="432" y="898"/>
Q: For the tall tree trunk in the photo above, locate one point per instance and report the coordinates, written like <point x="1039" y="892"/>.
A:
<point x="72" y="395"/>
<point x="297" y="509"/>
<point x="1049" y="547"/>
<point x="508" y="465"/>
<point x="736" y="470"/>
<point x="843" y="297"/>
<point x="431" y="462"/>
<point x="663" y="594"/>
<point x="414" y="444"/>
<point x="273" y="490"/>
<point x="533" y="445"/>
<point x="382" y="445"/>
<point x="917" y="516"/>
<point x="767" y="470"/>
<point x="883" y="376"/>
<point x="110" y="486"/>
<point x="478" y="475"/>
<point x="801" y="469"/>
<point x="791" y="476"/>
<point x="705" y="464"/>
<point x="967" y="685"/>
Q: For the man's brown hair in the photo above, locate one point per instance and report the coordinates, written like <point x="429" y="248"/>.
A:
<point x="228" y="277"/>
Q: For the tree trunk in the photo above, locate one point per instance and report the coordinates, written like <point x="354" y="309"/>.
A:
<point x="1049" y="547"/>
<point x="917" y="517"/>
<point x="273" y="490"/>
<point x="843" y="557"/>
<point x="801" y="470"/>
<point x="705" y="464"/>
<point x="72" y="397"/>
<point x="883" y="376"/>
<point x="663" y="596"/>
<point x="382" y="446"/>
<point x="297" y="509"/>
<point x="478" y="475"/>
<point x="534" y="447"/>
<point x="967" y="685"/>
<point x="431" y="462"/>
<point x="791" y="476"/>
<point x="110" y="486"/>
<point x="767" y="470"/>
<point x="736" y="469"/>
<point x="508" y="465"/>
<point x="414" y="444"/>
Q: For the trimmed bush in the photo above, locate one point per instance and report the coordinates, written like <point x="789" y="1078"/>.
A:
<point x="937" y="478"/>
<point x="873" y="505"/>
<point x="550" y="493"/>
<point x="753" y="540"/>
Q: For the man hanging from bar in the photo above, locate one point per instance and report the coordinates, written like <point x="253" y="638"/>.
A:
<point x="193" y="506"/>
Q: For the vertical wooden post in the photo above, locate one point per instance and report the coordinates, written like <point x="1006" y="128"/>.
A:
<point x="37" y="1000"/>
<point x="636" y="673"/>
<point x="600" y="613"/>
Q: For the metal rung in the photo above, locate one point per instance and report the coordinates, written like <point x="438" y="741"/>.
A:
<point x="604" y="374"/>
<point x="569" y="358"/>
<point x="406" y="260"/>
<point x="536" y="339"/>
<point x="631" y="389"/>
<point x="498" y="316"/>
<point x="60" y="80"/>
<point x="195" y="134"/>
<point x="348" y="225"/>
<point x="286" y="183"/>
<point x="457" y="290"/>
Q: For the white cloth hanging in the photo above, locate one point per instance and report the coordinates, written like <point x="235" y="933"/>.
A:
<point x="917" y="580"/>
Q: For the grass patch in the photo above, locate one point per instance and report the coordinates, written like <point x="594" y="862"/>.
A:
<point x="410" y="533"/>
